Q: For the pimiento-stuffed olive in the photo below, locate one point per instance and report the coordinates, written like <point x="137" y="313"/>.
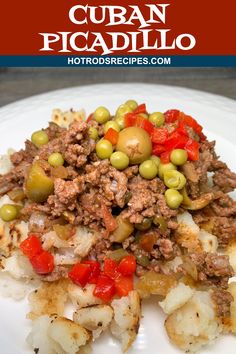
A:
<point x="135" y="143"/>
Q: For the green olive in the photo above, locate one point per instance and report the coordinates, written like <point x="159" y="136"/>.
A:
<point x="101" y="115"/>
<point x="120" y="120"/>
<point x="148" y="169"/>
<point x="156" y="159"/>
<point x="178" y="157"/>
<point x="132" y="104"/>
<point x="173" y="198"/>
<point x="56" y="159"/>
<point x="174" y="179"/>
<point x="135" y="143"/>
<point x="122" y="110"/>
<point x="111" y="124"/>
<point x="104" y="149"/>
<point x="38" y="186"/>
<point x="144" y="225"/>
<point x="161" y="222"/>
<point x="119" y="160"/>
<point x="157" y="118"/>
<point x="93" y="133"/>
<point x="8" y="212"/>
<point x="123" y="231"/>
<point x="163" y="167"/>
<point x="39" y="138"/>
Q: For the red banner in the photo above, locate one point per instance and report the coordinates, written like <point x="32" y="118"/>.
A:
<point x="50" y="27"/>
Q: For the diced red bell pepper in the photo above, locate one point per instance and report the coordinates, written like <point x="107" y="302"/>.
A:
<point x="105" y="288"/>
<point x="124" y="284"/>
<point x="112" y="135"/>
<point x="192" y="148"/>
<point x="31" y="246"/>
<point x="140" y="109"/>
<point x="175" y="141"/>
<point x="130" y="119"/>
<point x="159" y="135"/>
<point x="43" y="263"/>
<point x="80" y="273"/>
<point x="191" y="122"/>
<point x="90" y="117"/>
<point x="127" y="265"/>
<point x="111" y="268"/>
<point x="94" y="271"/>
<point x="158" y="149"/>
<point x="171" y="115"/>
<point x="165" y="157"/>
<point x="144" y="124"/>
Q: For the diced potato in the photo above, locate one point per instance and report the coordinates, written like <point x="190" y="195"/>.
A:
<point x="125" y="325"/>
<point x="94" y="318"/>
<point x="231" y="252"/>
<point x="5" y="164"/>
<point x="64" y="119"/>
<point x="18" y="266"/>
<point x="83" y="297"/>
<point x="49" y="299"/>
<point x="14" y="288"/>
<point x="232" y="290"/>
<point x="209" y="242"/>
<point x="187" y="233"/>
<point x="176" y="298"/>
<point x="152" y="283"/>
<point x="194" y="324"/>
<point x="57" y="335"/>
<point x="69" y="335"/>
<point x="83" y="240"/>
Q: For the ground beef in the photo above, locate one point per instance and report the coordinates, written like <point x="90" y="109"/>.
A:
<point x="65" y="196"/>
<point x="225" y="229"/>
<point x="222" y="300"/>
<point x="166" y="248"/>
<point x="54" y="131"/>
<point x="225" y="180"/>
<point x="212" y="269"/>
<point x="26" y="155"/>
<point x="14" y="178"/>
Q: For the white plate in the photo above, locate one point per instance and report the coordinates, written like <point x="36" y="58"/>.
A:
<point x="18" y="120"/>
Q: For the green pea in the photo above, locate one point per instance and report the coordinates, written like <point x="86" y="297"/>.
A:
<point x="111" y="124"/>
<point x="101" y="115"/>
<point x="122" y="110"/>
<point x="156" y="159"/>
<point x="163" y="167"/>
<point x="174" y="179"/>
<point x="104" y="149"/>
<point x="120" y="120"/>
<point x="39" y="138"/>
<point x="142" y="260"/>
<point x="145" y="225"/>
<point x="56" y="159"/>
<point x="132" y="104"/>
<point x="148" y="169"/>
<point x="8" y="212"/>
<point x="173" y="198"/>
<point x="93" y="133"/>
<point x="157" y="118"/>
<point x="178" y="157"/>
<point x="119" y="160"/>
<point x="144" y="115"/>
